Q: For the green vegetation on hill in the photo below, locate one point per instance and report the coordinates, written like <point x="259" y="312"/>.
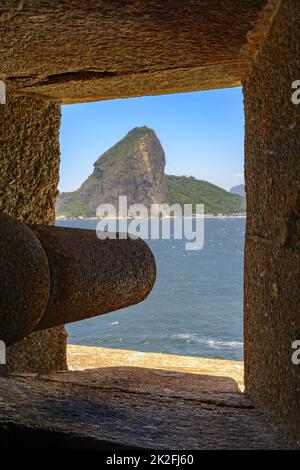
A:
<point x="189" y="190"/>
<point x="181" y="190"/>
<point x="72" y="208"/>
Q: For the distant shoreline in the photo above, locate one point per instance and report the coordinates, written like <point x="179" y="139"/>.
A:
<point x="208" y="216"/>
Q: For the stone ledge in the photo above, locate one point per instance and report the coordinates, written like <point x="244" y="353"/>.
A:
<point x="117" y="399"/>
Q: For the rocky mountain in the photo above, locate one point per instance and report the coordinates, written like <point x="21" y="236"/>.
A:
<point x="135" y="167"/>
<point x="239" y="190"/>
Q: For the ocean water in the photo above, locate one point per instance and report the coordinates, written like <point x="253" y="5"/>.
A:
<point x="195" y="307"/>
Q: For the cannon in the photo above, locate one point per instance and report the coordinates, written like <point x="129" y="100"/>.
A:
<point x="50" y="276"/>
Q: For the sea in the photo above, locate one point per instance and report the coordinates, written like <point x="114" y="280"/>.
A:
<point x="195" y="307"/>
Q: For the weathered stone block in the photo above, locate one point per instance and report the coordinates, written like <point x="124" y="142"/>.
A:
<point x="29" y="171"/>
<point x="272" y="253"/>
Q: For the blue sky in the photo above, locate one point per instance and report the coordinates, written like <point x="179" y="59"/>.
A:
<point x="202" y="134"/>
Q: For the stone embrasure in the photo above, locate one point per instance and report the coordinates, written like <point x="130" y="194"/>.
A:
<point x="159" y="46"/>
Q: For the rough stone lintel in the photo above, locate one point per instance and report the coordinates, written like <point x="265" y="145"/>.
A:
<point x="107" y="50"/>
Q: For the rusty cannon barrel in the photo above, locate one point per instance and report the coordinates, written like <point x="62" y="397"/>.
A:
<point x="90" y="276"/>
<point x="71" y="275"/>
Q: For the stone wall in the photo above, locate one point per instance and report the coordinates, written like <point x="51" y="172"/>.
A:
<point x="272" y="252"/>
<point x="29" y="171"/>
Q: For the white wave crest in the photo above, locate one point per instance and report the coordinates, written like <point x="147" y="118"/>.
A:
<point x="213" y="343"/>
